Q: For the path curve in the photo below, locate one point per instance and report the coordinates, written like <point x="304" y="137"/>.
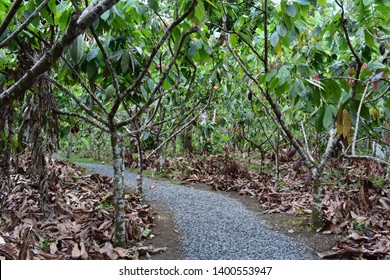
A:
<point x="214" y="226"/>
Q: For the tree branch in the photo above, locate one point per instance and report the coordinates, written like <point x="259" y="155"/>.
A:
<point x="89" y="120"/>
<point x="76" y="26"/>
<point x="137" y="82"/>
<point x="10" y="15"/>
<point x="23" y="25"/>
<point x="181" y="129"/>
<point x="89" y="111"/>
<point x="358" y="120"/>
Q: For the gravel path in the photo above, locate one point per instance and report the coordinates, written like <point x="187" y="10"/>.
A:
<point x="214" y="226"/>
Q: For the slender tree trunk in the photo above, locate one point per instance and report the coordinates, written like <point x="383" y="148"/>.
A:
<point x="140" y="165"/>
<point x="187" y="140"/>
<point x="277" y="173"/>
<point x="316" y="208"/>
<point x="118" y="166"/>
<point x="174" y="147"/>
<point x="70" y="144"/>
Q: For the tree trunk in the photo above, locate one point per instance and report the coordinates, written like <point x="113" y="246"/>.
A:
<point x="187" y="140"/>
<point x="70" y="144"/>
<point x="140" y="165"/>
<point x="118" y="166"/>
<point x="316" y="207"/>
<point x="277" y="167"/>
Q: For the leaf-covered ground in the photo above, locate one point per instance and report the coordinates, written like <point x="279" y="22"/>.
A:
<point x="78" y="222"/>
<point x="353" y="206"/>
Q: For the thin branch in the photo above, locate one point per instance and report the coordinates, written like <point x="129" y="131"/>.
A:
<point x="103" y="50"/>
<point x="358" y="120"/>
<point x="181" y="129"/>
<point x="107" y="60"/>
<point x="346" y="33"/>
<point x="368" y="157"/>
<point x="306" y="142"/>
<point x="152" y="97"/>
<point x="379" y="96"/>
<point x="80" y="80"/>
<point x="273" y="105"/>
<point x="77" y="25"/>
<point x="138" y="81"/>
<point x="89" y="120"/>
<point x="243" y="39"/>
<point x="88" y="110"/>
<point x="357" y="58"/>
<point x="10" y="15"/>
<point x="23" y="25"/>
<point x="266" y="36"/>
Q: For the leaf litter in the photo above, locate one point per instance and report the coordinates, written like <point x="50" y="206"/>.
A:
<point x="356" y="210"/>
<point x="79" y="223"/>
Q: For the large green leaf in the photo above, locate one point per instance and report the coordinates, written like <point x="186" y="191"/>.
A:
<point x="291" y="10"/>
<point x="93" y="53"/>
<point x="274" y="39"/>
<point x="319" y="121"/>
<point x="125" y="61"/>
<point x="299" y="88"/>
<point x="282" y="30"/>
<point x="153" y="4"/>
<point x="328" y="117"/>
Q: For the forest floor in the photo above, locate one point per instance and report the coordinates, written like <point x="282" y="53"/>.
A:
<point x="76" y="220"/>
<point x="356" y="200"/>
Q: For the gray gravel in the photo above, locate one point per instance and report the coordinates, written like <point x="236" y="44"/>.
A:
<point x="214" y="226"/>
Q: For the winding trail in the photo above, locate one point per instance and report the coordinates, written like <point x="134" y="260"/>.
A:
<point x="214" y="226"/>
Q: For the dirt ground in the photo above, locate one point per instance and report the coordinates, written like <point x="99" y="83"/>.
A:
<point x="297" y="227"/>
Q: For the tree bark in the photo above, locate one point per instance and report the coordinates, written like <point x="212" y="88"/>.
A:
<point x="118" y="166"/>
<point x="140" y="164"/>
<point x="316" y="207"/>
<point x="70" y="144"/>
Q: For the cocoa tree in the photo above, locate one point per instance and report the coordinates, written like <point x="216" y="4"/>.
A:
<point x="295" y="66"/>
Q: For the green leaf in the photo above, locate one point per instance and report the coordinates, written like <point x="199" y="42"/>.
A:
<point x="303" y="2"/>
<point x="282" y="30"/>
<point x="192" y="49"/>
<point x="199" y="13"/>
<point x="291" y="10"/>
<point x="105" y="15"/>
<point x="368" y="38"/>
<point x="52" y="6"/>
<point x="274" y="39"/>
<point x="374" y="65"/>
<point x="240" y="22"/>
<point x="150" y="84"/>
<point x="91" y="69"/>
<point x="233" y="40"/>
<point x="322" y="2"/>
<point x="283" y="75"/>
<point x="300" y="88"/>
<point x="367" y="2"/>
<point x="320" y="119"/>
<point x="92" y="54"/>
<point x="153" y="4"/>
<point x="125" y="61"/>
<point x="328" y="117"/>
